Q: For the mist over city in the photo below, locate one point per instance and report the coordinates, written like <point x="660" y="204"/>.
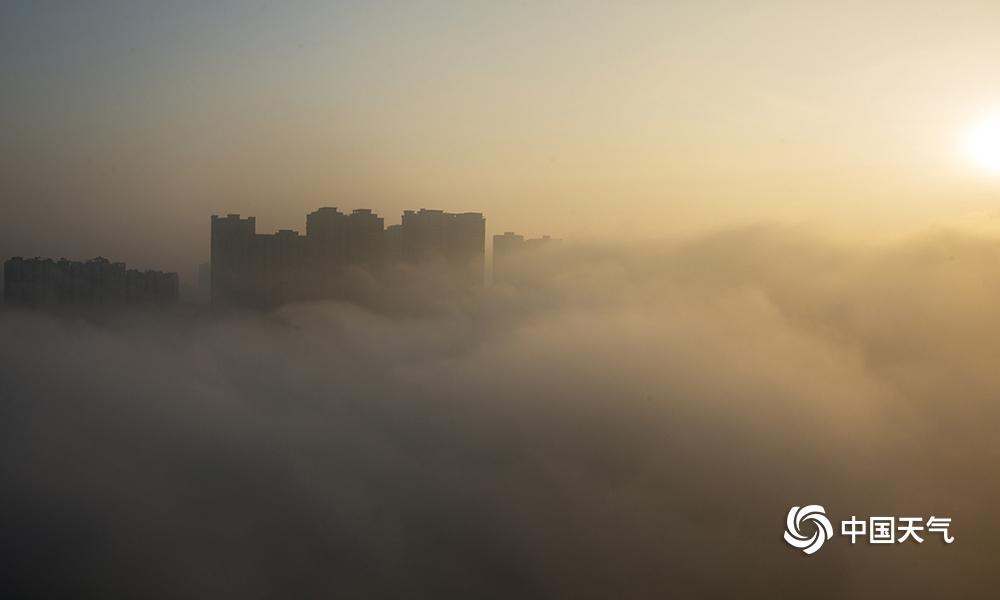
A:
<point x="435" y="300"/>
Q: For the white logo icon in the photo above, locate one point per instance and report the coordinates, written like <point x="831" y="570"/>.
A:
<point x="822" y="531"/>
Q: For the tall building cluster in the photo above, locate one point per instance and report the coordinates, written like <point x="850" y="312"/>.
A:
<point x="254" y="269"/>
<point x="257" y="270"/>
<point x="41" y="282"/>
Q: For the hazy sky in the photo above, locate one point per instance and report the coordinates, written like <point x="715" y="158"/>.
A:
<point x="126" y="124"/>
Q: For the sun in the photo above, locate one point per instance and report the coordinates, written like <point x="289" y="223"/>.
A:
<point x="982" y="145"/>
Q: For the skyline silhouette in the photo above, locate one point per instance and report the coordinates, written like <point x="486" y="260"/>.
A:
<point x="699" y="291"/>
<point x="260" y="270"/>
<point x="265" y="270"/>
<point x="43" y="282"/>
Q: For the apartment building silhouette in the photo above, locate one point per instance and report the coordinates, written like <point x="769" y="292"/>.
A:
<point x="43" y="282"/>
<point x="260" y="270"/>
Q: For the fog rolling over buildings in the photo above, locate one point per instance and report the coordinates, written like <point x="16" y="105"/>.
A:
<point x="619" y="420"/>
<point x="600" y="419"/>
<point x="777" y="286"/>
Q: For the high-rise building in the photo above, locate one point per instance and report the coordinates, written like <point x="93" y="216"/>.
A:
<point x="232" y="239"/>
<point x="252" y="269"/>
<point x="151" y="287"/>
<point x="393" y="237"/>
<point x="504" y="248"/>
<point x="335" y="239"/>
<point x="326" y="239"/>
<point x="467" y="246"/>
<point x="278" y="268"/>
<point x="458" y="240"/>
<point x="423" y="235"/>
<point x="365" y="238"/>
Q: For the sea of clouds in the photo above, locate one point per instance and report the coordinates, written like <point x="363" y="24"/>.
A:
<point x="622" y="421"/>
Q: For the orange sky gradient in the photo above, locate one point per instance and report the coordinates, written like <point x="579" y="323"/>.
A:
<point x="574" y="119"/>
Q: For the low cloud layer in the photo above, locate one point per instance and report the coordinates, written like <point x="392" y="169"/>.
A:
<point x="625" y="422"/>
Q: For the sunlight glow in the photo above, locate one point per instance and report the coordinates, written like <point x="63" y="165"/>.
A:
<point x="983" y="145"/>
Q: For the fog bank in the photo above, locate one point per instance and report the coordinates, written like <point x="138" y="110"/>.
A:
<point x="624" y="421"/>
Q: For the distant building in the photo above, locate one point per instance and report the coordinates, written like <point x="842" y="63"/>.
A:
<point x="277" y="268"/>
<point x="151" y="287"/>
<point x="326" y="238"/>
<point x="335" y="239"/>
<point x="456" y="239"/>
<point x="508" y="247"/>
<point x="232" y="238"/>
<point x="394" y="243"/>
<point x="252" y="269"/>
<point x="365" y="239"/>
<point x="504" y="247"/>
<point x="43" y="282"/>
<point x="540" y="243"/>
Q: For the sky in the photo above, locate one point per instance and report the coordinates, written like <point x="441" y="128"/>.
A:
<point x="126" y="124"/>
